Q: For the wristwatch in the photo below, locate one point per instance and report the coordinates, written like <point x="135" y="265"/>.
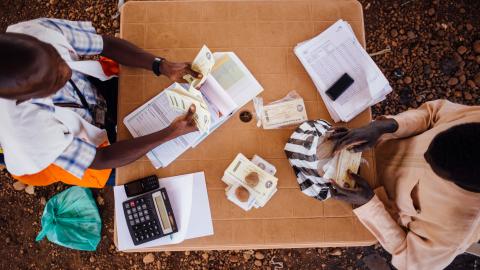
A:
<point x="156" y="65"/>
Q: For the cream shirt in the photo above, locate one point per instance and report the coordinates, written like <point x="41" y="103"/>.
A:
<point x="426" y="221"/>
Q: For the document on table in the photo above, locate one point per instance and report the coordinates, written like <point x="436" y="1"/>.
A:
<point x="228" y="86"/>
<point x="189" y="199"/>
<point x="333" y="53"/>
<point x="153" y="116"/>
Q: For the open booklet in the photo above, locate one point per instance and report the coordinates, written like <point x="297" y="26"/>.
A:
<point x="227" y="86"/>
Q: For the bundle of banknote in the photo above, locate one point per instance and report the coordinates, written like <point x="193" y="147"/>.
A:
<point x="180" y="99"/>
<point x="284" y="113"/>
<point x="251" y="183"/>
<point x="203" y="63"/>
<point x="337" y="168"/>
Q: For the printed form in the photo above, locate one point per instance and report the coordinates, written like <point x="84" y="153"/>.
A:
<point x="153" y="116"/>
<point x="333" y="53"/>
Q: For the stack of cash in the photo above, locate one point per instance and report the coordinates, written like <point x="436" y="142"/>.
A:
<point x="203" y="63"/>
<point x="250" y="183"/>
<point x="337" y="168"/>
<point x="180" y="99"/>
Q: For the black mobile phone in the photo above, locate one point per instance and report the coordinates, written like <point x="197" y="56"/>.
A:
<point x="339" y="87"/>
<point x="141" y="186"/>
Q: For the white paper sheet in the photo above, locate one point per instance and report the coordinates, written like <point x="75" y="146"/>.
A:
<point x="153" y="116"/>
<point x="334" y="52"/>
<point x="189" y="199"/>
<point x="235" y="78"/>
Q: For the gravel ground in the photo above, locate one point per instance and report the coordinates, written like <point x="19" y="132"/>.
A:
<point x="434" y="53"/>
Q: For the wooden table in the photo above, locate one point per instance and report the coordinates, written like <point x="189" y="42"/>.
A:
<point x="262" y="34"/>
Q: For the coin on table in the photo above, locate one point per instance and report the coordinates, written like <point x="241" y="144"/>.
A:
<point x="252" y="179"/>
<point x="242" y="194"/>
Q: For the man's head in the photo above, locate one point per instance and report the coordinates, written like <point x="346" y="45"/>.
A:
<point x="30" y="68"/>
<point x="454" y="155"/>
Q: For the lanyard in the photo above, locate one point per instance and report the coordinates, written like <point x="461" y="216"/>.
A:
<point x="81" y="96"/>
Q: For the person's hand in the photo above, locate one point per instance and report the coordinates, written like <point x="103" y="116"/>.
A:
<point x="183" y="124"/>
<point x="358" y="196"/>
<point x="176" y="71"/>
<point x="361" y="139"/>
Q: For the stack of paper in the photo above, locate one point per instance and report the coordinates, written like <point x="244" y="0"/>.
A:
<point x="189" y="199"/>
<point x="250" y="183"/>
<point x="333" y="53"/>
<point x="337" y="168"/>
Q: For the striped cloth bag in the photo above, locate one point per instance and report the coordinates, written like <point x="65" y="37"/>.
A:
<point x="301" y="150"/>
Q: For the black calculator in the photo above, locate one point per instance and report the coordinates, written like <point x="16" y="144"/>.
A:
<point x="149" y="217"/>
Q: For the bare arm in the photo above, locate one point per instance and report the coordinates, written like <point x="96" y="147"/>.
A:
<point x="126" y="53"/>
<point x="124" y="152"/>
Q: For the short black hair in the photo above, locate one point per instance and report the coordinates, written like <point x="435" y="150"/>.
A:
<point x="457" y="152"/>
<point x="19" y="58"/>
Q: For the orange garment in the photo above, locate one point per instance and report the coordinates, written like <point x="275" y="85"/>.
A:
<point x="53" y="173"/>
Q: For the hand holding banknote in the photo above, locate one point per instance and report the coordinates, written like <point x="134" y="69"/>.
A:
<point x="176" y="71"/>
<point x="363" y="138"/>
<point x="184" y="124"/>
<point x="359" y="196"/>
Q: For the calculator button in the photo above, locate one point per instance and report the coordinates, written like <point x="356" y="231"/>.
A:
<point x="140" y="214"/>
<point x="145" y="212"/>
<point x="147" y="217"/>
<point x="127" y="206"/>
<point x="130" y="217"/>
<point x="137" y="221"/>
<point x="142" y="200"/>
<point x="132" y="204"/>
<point x="142" y="219"/>
<point x="135" y="215"/>
<point x="134" y="210"/>
<point x="132" y="222"/>
<point x="139" y="208"/>
<point x="129" y="211"/>
<point x="157" y="232"/>
<point x="137" y="239"/>
<point x="144" y="206"/>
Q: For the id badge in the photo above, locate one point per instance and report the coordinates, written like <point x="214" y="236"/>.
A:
<point x="99" y="116"/>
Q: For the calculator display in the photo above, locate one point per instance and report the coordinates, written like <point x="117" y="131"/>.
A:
<point x="162" y="212"/>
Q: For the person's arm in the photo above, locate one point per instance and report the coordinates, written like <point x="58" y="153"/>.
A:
<point x="409" y="250"/>
<point x="126" y="53"/>
<point x="125" y="152"/>
<point x="406" y="124"/>
<point x="417" y="121"/>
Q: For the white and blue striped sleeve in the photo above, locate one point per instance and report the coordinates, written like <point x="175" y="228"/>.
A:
<point x="77" y="157"/>
<point x="81" y="35"/>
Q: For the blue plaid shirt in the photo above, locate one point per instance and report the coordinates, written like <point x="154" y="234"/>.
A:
<point x="78" y="156"/>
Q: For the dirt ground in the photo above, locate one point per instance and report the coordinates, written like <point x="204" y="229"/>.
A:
<point x="433" y="55"/>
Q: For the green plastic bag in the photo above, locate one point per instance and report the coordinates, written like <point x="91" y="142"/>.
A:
<point x="71" y="219"/>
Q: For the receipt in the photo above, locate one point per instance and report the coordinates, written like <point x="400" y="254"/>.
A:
<point x="284" y="113"/>
<point x="203" y="63"/>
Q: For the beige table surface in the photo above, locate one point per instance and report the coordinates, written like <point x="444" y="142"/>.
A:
<point x="262" y="34"/>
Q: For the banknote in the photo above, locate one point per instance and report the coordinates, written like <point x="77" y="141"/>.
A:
<point x="241" y="167"/>
<point x="183" y="102"/>
<point x="347" y="161"/>
<point x="264" y="165"/>
<point x="284" y="113"/>
<point x="233" y="197"/>
<point x="203" y="63"/>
